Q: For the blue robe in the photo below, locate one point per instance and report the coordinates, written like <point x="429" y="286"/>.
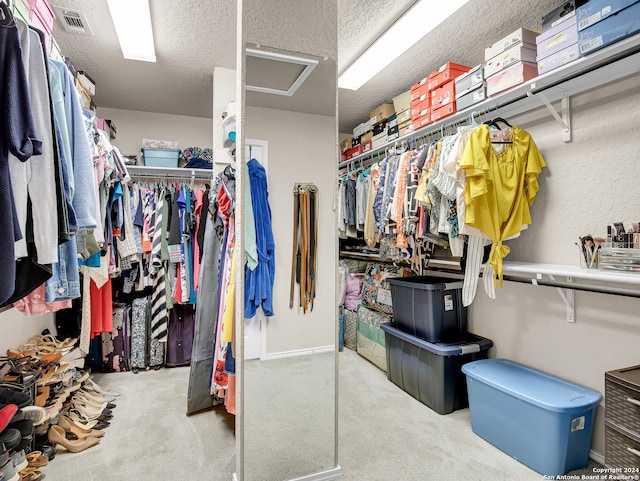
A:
<point x="258" y="287"/>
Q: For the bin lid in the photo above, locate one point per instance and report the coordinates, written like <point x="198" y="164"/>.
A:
<point x="426" y="283"/>
<point x="533" y="386"/>
<point x="628" y="377"/>
<point x="471" y="343"/>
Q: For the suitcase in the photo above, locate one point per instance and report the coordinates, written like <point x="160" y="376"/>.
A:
<point x="115" y="344"/>
<point x="180" y="336"/>
<point x="145" y="352"/>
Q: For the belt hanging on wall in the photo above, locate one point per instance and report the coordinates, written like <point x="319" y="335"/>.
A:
<point x="305" y="246"/>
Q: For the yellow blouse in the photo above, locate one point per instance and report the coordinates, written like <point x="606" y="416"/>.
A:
<point x="500" y="188"/>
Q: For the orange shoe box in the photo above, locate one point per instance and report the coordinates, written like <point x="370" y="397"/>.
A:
<point x="419" y="94"/>
<point x="449" y="71"/>
<point x="444" y="111"/>
<point x="420" y="122"/>
<point x="443" y="95"/>
<point x="421" y="109"/>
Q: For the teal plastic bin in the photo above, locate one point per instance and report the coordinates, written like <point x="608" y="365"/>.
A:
<point x="161" y="157"/>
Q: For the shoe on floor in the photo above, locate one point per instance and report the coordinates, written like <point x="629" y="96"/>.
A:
<point x="19" y="460"/>
<point x="10" y="473"/>
<point x="9" y="396"/>
<point x="6" y="415"/>
<point x="38" y="415"/>
<point x="10" y="438"/>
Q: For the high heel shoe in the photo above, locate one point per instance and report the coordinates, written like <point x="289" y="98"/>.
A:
<point x="75" y="417"/>
<point x="70" y="427"/>
<point x="57" y="435"/>
<point x="101" y="390"/>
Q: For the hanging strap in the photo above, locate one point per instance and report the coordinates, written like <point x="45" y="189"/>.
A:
<point x="294" y="251"/>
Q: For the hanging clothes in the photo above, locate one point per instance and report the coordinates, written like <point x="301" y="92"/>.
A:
<point x="259" y="281"/>
<point x="500" y="188"/>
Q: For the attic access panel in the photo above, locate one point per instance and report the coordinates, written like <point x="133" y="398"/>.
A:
<point x="276" y="73"/>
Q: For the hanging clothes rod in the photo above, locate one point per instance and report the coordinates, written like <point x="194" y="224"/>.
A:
<point x="138" y="171"/>
<point x="615" y="291"/>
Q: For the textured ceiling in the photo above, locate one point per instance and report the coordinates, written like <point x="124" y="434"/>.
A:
<point x="194" y="36"/>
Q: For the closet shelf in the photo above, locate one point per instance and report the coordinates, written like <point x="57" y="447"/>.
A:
<point x="574" y="272"/>
<point x="609" y="64"/>
<point x="172" y="172"/>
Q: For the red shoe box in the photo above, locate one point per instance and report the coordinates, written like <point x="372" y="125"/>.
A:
<point x="354" y="152"/>
<point x="442" y="112"/>
<point x="446" y="73"/>
<point x="443" y="95"/>
<point x="421" y="109"/>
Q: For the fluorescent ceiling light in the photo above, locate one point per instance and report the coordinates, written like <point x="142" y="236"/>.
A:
<point x="132" y="20"/>
<point x="416" y="22"/>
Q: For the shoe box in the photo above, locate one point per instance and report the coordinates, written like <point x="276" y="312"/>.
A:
<point x="470" y="88"/>
<point x="557" y="46"/>
<point x="510" y="61"/>
<point x="606" y="22"/>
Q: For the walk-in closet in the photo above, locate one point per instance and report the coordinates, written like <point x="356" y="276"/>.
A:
<point x="318" y="240"/>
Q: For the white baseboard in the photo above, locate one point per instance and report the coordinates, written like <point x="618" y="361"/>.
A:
<point x="597" y="457"/>
<point x="299" y="352"/>
<point x="328" y="475"/>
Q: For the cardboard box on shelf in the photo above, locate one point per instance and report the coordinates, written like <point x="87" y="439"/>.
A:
<point x="354" y="152"/>
<point x="419" y="90"/>
<point x="366" y="146"/>
<point x="556" y="39"/>
<point x="559" y="59"/>
<point x="443" y="95"/>
<point x="366" y="137"/>
<point x="443" y="111"/>
<point x="421" y="121"/>
<point x="522" y="35"/>
<point x="379" y="128"/>
<point x="362" y="128"/>
<point x="449" y="71"/>
<point x="612" y="29"/>
<point x="402" y="102"/>
<point x="524" y="52"/>
<point x="510" y="77"/>
<point x="381" y="112"/>
<point x="87" y="82"/>
<point x="376" y="143"/>
<point x="393" y="133"/>
<point x="404" y="116"/>
<point x="346" y="144"/>
<point x="470" y="80"/>
<point x="595" y="11"/>
<point x="421" y="109"/>
<point x="405" y="128"/>
<point x="472" y="97"/>
<point x="559" y="15"/>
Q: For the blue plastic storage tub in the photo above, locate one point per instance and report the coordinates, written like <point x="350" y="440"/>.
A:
<point x="542" y="421"/>
<point x="161" y="157"/>
<point x="430" y="372"/>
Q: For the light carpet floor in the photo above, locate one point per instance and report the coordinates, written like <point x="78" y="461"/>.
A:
<point x="384" y="434"/>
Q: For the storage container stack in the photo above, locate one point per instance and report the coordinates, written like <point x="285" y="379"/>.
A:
<point x="427" y="343"/>
<point x="603" y="22"/>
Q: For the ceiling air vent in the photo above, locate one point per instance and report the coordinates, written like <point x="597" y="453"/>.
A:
<point x="73" y="21"/>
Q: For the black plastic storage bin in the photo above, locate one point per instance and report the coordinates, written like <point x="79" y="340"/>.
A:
<point x="432" y="372"/>
<point x="429" y="308"/>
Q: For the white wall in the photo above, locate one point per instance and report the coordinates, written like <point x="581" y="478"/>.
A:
<point x="302" y="148"/>
<point x="589" y="183"/>
<point x="16" y="328"/>
<point x="133" y="126"/>
<point x="224" y="91"/>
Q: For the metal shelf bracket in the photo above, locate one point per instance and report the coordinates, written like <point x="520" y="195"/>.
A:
<point x="568" y="297"/>
<point x="565" y="119"/>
